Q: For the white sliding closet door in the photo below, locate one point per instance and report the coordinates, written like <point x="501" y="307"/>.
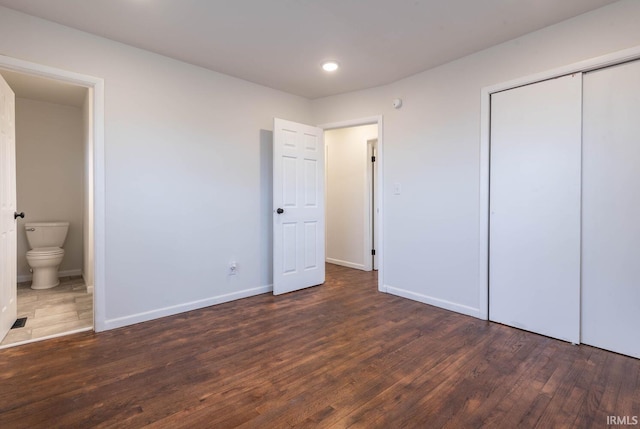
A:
<point x="611" y="209"/>
<point x="534" y="252"/>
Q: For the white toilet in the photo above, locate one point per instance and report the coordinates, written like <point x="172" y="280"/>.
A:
<point x="44" y="258"/>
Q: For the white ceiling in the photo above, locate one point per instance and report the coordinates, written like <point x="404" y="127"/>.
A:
<point x="281" y="43"/>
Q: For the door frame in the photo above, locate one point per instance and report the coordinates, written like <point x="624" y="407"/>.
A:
<point x="96" y="86"/>
<point x="485" y="149"/>
<point x="377" y="120"/>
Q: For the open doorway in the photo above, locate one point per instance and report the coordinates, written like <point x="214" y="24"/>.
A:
<point x="299" y="209"/>
<point x="54" y="172"/>
<point x="350" y="166"/>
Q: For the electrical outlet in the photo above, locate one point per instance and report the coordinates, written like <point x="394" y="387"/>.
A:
<point x="233" y="268"/>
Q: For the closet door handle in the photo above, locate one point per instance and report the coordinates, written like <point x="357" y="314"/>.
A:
<point x="16" y="215"/>
<point x="280" y="211"/>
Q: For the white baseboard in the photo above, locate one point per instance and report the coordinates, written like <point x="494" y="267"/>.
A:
<point x="66" y="273"/>
<point x="89" y="286"/>
<point x="181" y="308"/>
<point x="436" y="302"/>
<point x="70" y="273"/>
<point x="346" y="264"/>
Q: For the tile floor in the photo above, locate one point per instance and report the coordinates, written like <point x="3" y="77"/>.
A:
<point x="66" y="307"/>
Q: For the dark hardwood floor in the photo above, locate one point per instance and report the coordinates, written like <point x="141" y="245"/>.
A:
<point x="338" y="355"/>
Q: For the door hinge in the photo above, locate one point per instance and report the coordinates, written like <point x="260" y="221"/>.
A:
<point x="373" y="159"/>
<point x="373" y="252"/>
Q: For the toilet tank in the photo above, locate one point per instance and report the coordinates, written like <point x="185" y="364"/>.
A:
<point x="46" y="234"/>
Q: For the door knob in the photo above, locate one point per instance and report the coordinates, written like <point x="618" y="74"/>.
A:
<point x="280" y="211"/>
<point x="16" y="215"/>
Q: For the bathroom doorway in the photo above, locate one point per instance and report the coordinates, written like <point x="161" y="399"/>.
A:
<point x="54" y="182"/>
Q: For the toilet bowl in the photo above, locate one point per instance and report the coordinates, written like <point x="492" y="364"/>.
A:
<point x="44" y="262"/>
<point x="46" y="254"/>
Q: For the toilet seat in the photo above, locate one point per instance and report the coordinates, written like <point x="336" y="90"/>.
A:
<point x="44" y="252"/>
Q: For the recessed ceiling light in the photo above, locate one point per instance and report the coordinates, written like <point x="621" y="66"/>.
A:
<point x="330" y="66"/>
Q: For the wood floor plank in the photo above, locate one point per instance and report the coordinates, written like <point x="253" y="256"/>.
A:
<point x="338" y="355"/>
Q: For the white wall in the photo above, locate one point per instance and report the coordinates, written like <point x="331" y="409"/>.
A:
<point x="87" y="215"/>
<point x="188" y="152"/>
<point x="347" y="194"/>
<point x="431" y="242"/>
<point x="49" y="175"/>
<point x="188" y="161"/>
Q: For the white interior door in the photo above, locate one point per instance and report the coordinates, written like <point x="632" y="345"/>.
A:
<point x="611" y="209"/>
<point x="373" y="172"/>
<point x="298" y="206"/>
<point x="534" y="251"/>
<point x="8" y="250"/>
